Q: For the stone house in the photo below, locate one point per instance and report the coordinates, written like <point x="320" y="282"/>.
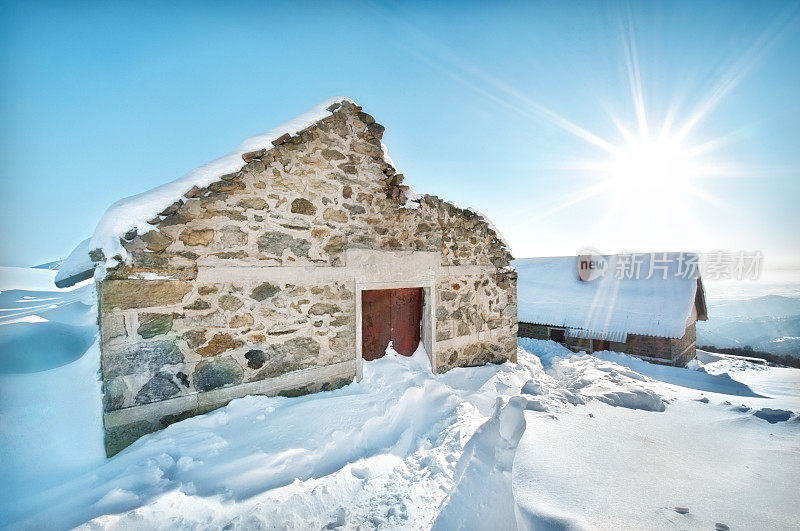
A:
<point x="280" y="268"/>
<point x="647" y="308"/>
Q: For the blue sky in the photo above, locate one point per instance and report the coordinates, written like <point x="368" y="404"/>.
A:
<point x="485" y="104"/>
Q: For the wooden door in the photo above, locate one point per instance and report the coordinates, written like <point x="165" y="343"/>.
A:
<point x="406" y="319"/>
<point x="390" y="315"/>
<point x="376" y="323"/>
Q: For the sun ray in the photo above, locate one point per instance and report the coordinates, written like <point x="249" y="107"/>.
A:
<point x="584" y="195"/>
<point x="634" y="75"/>
<point x="529" y="108"/>
<point x="712" y="145"/>
<point x="524" y="104"/>
<point x="707" y="197"/>
<point x="626" y="133"/>
<point x="730" y="79"/>
<point x="563" y="123"/>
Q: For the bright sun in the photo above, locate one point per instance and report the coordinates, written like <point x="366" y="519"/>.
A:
<point x="648" y="167"/>
<point x="650" y="183"/>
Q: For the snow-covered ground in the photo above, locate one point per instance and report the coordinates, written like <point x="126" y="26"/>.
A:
<point x="50" y="414"/>
<point x="687" y="449"/>
<point x="556" y="440"/>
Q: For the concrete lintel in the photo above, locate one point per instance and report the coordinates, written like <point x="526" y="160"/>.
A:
<point x="152" y="411"/>
<point x="463" y="341"/>
<point x="361" y="265"/>
<point x="368" y="265"/>
<point x="219" y="397"/>
<point x="270" y="386"/>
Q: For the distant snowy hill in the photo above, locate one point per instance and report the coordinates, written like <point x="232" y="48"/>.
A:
<point x="53" y="266"/>
<point x="767" y="324"/>
<point x="766" y="306"/>
<point x="780" y="336"/>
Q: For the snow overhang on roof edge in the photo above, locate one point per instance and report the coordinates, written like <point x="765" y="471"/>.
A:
<point x="605" y="335"/>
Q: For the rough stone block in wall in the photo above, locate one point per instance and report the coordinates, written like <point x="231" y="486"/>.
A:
<point x="140" y="357"/>
<point x="134" y="293"/>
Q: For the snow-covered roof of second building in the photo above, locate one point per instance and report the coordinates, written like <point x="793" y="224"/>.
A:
<point x="550" y="292"/>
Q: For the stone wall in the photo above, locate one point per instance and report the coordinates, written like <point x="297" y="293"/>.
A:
<point x="684" y="349"/>
<point x="535" y="331"/>
<point x="661" y="350"/>
<point x="655" y="349"/>
<point x="474" y="315"/>
<point x="650" y="346"/>
<point x="248" y="285"/>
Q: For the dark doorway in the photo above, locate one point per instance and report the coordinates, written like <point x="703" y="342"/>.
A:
<point x="600" y="344"/>
<point x="558" y="335"/>
<point x="390" y="315"/>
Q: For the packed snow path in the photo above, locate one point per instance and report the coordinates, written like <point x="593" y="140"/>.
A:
<point x="379" y="452"/>
<point x="556" y="440"/>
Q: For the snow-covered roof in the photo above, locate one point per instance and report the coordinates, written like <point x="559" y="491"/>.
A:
<point x="618" y="303"/>
<point x="135" y="211"/>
